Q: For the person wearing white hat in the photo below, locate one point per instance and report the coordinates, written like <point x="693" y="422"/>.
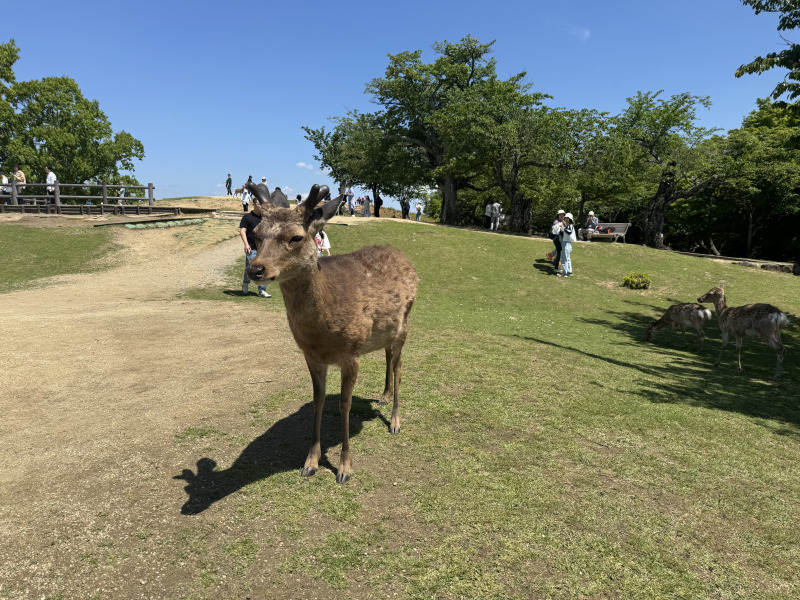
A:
<point x="585" y="233"/>
<point x="555" y="230"/>
<point x="567" y="238"/>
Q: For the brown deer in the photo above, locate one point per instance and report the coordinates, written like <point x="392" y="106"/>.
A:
<point x="762" y="321"/>
<point x="683" y="316"/>
<point x="339" y="307"/>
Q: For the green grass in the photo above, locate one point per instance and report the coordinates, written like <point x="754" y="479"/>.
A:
<point x="31" y="253"/>
<point x="547" y="450"/>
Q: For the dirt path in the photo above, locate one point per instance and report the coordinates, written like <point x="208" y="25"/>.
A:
<point x="101" y="372"/>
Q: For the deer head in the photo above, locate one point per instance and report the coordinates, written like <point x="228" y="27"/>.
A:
<point x="652" y="331"/>
<point x="285" y="237"/>
<point x="715" y="296"/>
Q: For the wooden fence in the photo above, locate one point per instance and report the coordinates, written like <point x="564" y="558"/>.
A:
<point x="19" y="196"/>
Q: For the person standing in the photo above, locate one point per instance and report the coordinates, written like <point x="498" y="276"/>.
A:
<point x="19" y="179"/>
<point x="555" y="231"/>
<point x="378" y="204"/>
<point x="349" y="195"/>
<point x="245" y="199"/>
<point x="5" y="190"/>
<point x="50" y="180"/>
<point x="419" y="210"/>
<point x="228" y="182"/>
<point x="365" y="207"/>
<point x="246" y="228"/>
<point x="495" y="215"/>
<point x="487" y="215"/>
<point x="568" y="237"/>
<point x="323" y="243"/>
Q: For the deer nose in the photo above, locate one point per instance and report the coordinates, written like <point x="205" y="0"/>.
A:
<point x="255" y="272"/>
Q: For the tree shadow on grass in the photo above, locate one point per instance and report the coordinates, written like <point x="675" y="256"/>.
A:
<point x="690" y="378"/>
<point x="283" y="447"/>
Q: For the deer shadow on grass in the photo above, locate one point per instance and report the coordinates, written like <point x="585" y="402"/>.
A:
<point x="283" y="447"/>
<point x="685" y="376"/>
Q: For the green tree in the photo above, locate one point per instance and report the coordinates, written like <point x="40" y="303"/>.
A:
<point x="51" y="123"/>
<point x="672" y="149"/>
<point x="788" y="58"/>
<point x="413" y="93"/>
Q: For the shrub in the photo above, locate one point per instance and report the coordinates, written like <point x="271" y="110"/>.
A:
<point x="637" y="281"/>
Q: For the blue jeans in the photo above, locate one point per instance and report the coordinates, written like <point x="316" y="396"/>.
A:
<point x="419" y="215"/>
<point x="247" y="260"/>
<point x="566" y="262"/>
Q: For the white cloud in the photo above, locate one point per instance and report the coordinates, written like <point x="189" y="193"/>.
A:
<point x="582" y="33"/>
<point x="303" y="165"/>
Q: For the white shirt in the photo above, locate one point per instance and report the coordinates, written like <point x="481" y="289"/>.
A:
<point x="51" y="180"/>
<point x="5" y="188"/>
<point x="245" y="197"/>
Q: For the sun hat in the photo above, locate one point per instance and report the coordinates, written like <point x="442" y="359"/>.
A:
<point x="591" y="213"/>
<point x="560" y="211"/>
<point x="568" y="216"/>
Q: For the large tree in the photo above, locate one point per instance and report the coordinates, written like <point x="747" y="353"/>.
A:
<point x="788" y="58"/>
<point x="413" y="93"/>
<point x="672" y="148"/>
<point x="49" y="122"/>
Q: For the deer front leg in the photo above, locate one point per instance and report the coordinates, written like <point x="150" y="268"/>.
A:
<point x="349" y="376"/>
<point x="319" y="374"/>
<point x="739" y="351"/>
<point x="394" y="427"/>
<point x="722" y="348"/>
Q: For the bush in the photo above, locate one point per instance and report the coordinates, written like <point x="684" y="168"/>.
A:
<point x="637" y="281"/>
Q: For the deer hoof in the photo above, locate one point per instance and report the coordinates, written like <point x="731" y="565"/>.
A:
<point x="394" y="430"/>
<point x="342" y="478"/>
<point x="308" y="471"/>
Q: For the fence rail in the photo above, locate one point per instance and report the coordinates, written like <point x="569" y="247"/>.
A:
<point x="19" y="197"/>
<point x="89" y="209"/>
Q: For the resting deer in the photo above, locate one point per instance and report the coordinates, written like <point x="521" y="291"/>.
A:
<point x="762" y="321"/>
<point x="683" y="316"/>
<point x="339" y="307"/>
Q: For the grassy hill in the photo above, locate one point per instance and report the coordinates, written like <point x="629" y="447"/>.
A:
<point x="547" y="449"/>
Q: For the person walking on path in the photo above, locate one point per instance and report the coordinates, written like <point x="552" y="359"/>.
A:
<point x="228" y="182"/>
<point x="568" y="237"/>
<point x="487" y="215"/>
<point x="555" y="230"/>
<point x="50" y="180"/>
<point x="365" y="208"/>
<point x="419" y="210"/>
<point x="245" y="199"/>
<point x="246" y="228"/>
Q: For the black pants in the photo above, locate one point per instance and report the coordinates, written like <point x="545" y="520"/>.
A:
<point x="557" y="260"/>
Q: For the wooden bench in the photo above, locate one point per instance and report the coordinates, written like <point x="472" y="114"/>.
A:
<point x="620" y="229"/>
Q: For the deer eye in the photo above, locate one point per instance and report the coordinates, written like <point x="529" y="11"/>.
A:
<point x="297" y="238"/>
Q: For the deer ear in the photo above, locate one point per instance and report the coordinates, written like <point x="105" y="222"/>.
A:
<point x="323" y="214"/>
<point x="722" y="284"/>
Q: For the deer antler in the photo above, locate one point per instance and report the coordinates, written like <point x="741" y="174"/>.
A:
<point x="260" y="191"/>
<point x="316" y="194"/>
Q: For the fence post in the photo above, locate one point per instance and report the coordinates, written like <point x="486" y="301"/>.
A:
<point x="57" y="194"/>
<point x="105" y="194"/>
<point x="14" y="198"/>
<point x="150" y="194"/>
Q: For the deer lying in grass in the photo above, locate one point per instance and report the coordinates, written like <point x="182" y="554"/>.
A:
<point x="683" y="316"/>
<point x="321" y="294"/>
<point x="762" y="321"/>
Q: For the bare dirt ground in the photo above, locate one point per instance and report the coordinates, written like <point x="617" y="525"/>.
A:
<point x="101" y="372"/>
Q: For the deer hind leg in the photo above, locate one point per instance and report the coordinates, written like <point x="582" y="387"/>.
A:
<point x="349" y="376"/>
<point x="387" y="387"/>
<point x="319" y="374"/>
<point x="701" y="337"/>
<point x="739" y="351"/>
<point x="780" y="351"/>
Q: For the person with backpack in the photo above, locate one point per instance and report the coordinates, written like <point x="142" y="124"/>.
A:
<point x="567" y="237"/>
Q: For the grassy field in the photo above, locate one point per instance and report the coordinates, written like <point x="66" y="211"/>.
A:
<point x="547" y="450"/>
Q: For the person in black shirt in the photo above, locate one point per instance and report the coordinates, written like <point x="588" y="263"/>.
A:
<point x="246" y="227"/>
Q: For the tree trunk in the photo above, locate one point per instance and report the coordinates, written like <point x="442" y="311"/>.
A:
<point x="450" y="213"/>
<point x="656" y="210"/>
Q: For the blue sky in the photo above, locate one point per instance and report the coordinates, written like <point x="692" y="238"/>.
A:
<point x="212" y="88"/>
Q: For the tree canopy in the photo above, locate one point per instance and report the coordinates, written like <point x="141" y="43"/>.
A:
<point x="49" y="122"/>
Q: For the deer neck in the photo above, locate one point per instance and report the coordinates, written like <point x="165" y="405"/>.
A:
<point x="720" y="305"/>
<point x="307" y="295"/>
